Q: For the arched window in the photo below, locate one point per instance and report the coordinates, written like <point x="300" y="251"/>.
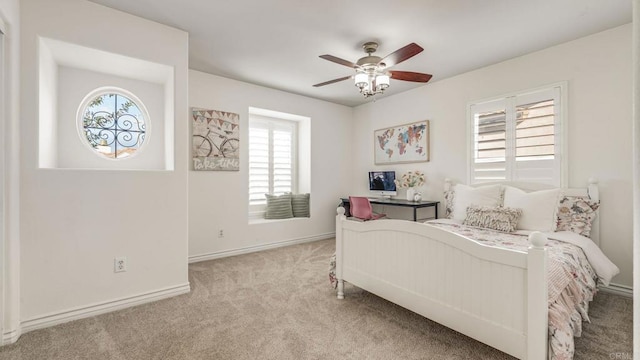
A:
<point x="113" y="123"/>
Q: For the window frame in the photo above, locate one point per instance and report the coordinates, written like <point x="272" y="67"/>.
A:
<point x="561" y="131"/>
<point x="105" y="90"/>
<point x="273" y="124"/>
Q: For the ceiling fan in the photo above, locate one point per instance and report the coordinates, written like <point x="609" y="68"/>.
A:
<point x="372" y="74"/>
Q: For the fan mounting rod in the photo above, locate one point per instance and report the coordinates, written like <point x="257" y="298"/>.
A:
<point x="370" y="47"/>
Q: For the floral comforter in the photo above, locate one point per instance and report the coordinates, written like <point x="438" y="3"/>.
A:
<point x="572" y="282"/>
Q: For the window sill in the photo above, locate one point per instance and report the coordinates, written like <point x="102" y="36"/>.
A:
<point x="256" y="221"/>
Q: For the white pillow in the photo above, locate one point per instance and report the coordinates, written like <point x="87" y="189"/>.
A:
<point x="538" y="208"/>
<point x="465" y="196"/>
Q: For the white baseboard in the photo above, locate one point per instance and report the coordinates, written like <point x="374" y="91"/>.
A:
<point x="251" y="249"/>
<point x="10" y="337"/>
<point x="617" y="289"/>
<point x="101" y="308"/>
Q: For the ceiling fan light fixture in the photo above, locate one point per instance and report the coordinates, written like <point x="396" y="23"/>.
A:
<point x="372" y="75"/>
<point x="361" y="80"/>
<point x="371" y="82"/>
<point x="382" y="82"/>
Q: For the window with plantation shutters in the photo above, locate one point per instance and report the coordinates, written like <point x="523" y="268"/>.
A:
<point x="535" y="130"/>
<point x="518" y="138"/>
<point x="272" y="158"/>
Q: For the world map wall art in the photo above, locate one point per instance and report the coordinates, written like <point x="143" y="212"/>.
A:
<point x="402" y="144"/>
<point x="215" y="142"/>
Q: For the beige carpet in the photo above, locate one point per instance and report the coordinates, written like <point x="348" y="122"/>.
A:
<point x="278" y="305"/>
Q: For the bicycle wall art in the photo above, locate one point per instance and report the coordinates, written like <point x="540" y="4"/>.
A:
<point x="215" y="141"/>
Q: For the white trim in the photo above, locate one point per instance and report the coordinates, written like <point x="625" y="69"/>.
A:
<point x="470" y="140"/>
<point x="252" y="249"/>
<point x="4" y="118"/>
<point x="101" y="308"/>
<point x="259" y="219"/>
<point x="11" y="337"/>
<point x="617" y="289"/>
<point x="10" y="239"/>
<point x="635" y="46"/>
<point x="564" y="136"/>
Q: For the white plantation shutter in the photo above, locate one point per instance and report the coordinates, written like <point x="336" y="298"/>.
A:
<point x="518" y="138"/>
<point x="282" y="161"/>
<point x="272" y="158"/>
<point x="489" y="141"/>
<point x="538" y="137"/>
<point x="258" y="164"/>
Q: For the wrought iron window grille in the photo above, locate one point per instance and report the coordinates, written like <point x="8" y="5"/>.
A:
<point x="114" y="133"/>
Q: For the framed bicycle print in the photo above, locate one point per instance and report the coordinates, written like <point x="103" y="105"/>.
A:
<point x="406" y="143"/>
<point x="215" y="143"/>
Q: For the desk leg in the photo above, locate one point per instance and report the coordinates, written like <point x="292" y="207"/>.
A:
<point x="436" y="206"/>
<point x="415" y="213"/>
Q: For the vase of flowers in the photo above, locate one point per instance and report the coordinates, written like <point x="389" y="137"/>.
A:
<point x="411" y="193"/>
<point x="410" y="181"/>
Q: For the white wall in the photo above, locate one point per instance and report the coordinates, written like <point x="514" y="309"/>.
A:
<point x="74" y="222"/>
<point x="598" y="71"/>
<point x="48" y="109"/>
<point x="636" y="174"/>
<point x="219" y="199"/>
<point x="73" y="85"/>
<point x="10" y="238"/>
<point x="68" y="73"/>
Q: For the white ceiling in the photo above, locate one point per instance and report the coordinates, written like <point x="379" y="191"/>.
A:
<point x="276" y="43"/>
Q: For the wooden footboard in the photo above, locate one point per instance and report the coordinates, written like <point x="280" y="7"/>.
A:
<point x="496" y="296"/>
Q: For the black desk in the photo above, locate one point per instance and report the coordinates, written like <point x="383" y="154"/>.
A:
<point x="396" y="202"/>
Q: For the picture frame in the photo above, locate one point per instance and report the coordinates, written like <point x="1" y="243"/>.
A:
<point x="215" y="143"/>
<point x="406" y="143"/>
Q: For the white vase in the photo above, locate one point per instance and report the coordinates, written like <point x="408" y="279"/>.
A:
<point x="411" y="192"/>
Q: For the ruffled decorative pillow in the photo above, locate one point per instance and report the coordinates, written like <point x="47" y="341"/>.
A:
<point x="493" y="217"/>
<point x="576" y="214"/>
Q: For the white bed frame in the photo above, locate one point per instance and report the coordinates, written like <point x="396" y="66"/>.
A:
<point x="496" y="296"/>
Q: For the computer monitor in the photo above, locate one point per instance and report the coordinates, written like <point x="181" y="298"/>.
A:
<point x="382" y="183"/>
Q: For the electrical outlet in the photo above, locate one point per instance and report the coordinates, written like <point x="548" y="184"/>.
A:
<point x="220" y="233"/>
<point x="120" y="264"/>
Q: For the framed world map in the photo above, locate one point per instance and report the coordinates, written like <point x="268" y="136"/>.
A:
<point x="402" y="144"/>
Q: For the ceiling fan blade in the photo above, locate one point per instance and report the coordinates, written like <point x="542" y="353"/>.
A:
<point x="337" y="60"/>
<point x="332" y="81"/>
<point x="410" y="76"/>
<point x="401" y="55"/>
